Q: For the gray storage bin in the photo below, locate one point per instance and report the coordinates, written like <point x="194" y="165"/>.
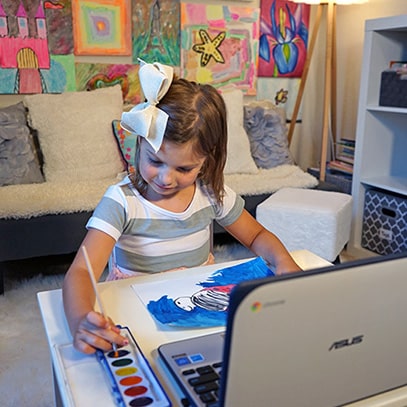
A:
<point x="384" y="228"/>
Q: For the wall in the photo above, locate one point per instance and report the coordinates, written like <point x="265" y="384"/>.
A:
<point x="350" y="31"/>
<point x="350" y="36"/>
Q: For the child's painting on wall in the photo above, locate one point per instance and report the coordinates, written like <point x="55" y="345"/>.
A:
<point x="219" y="45"/>
<point x="156" y="30"/>
<point x="90" y="76"/>
<point x="59" y="27"/>
<point x="283" y="39"/>
<point x="26" y="64"/>
<point x="281" y="91"/>
<point x="102" y="27"/>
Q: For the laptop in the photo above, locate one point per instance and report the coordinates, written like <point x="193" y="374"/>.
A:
<point x="325" y="337"/>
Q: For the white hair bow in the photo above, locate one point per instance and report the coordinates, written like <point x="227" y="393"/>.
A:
<point x="146" y="119"/>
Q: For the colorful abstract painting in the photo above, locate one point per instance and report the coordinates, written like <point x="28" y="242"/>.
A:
<point x="91" y="76"/>
<point x="102" y="27"/>
<point x="204" y="303"/>
<point x="219" y="45"/>
<point x="284" y="27"/>
<point x="59" y="26"/>
<point x="156" y="31"/>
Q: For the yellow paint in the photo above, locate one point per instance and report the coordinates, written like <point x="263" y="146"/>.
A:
<point x="126" y="371"/>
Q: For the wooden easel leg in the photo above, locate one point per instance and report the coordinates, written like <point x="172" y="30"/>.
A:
<point x="305" y="73"/>
<point x="333" y="84"/>
<point x="327" y="91"/>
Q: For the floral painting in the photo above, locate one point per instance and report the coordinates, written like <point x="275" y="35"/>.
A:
<point x="283" y="38"/>
<point x="281" y="91"/>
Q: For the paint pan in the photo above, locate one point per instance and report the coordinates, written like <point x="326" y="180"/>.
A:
<point x="130" y="377"/>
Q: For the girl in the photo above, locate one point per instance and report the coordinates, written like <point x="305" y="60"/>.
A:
<point x="159" y="218"/>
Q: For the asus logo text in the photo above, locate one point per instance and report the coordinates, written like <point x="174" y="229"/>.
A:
<point x="346" y="342"/>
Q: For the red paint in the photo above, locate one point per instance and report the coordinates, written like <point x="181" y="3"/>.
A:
<point x="135" y="391"/>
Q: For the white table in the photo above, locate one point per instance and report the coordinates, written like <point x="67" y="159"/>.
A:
<point x="125" y="308"/>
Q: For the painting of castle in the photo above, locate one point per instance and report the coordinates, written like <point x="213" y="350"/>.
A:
<point x="24" y="44"/>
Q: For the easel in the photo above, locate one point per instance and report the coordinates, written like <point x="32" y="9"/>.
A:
<point x="329" y="112"/>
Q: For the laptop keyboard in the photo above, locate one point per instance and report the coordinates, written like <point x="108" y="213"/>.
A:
<point x="205" y="381"/>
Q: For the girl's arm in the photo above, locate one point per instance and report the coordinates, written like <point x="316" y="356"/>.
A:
<point x="90" y="330"/>
<point x="263" y="243"/>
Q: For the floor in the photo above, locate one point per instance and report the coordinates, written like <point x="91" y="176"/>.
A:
<point x="344" y="256"/>
<point x="17" y="271"/>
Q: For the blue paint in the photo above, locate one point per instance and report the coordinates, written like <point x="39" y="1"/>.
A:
<point x="167" y="312"/>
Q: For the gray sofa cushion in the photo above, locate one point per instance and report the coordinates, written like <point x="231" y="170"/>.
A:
<point x="18" y="160"/>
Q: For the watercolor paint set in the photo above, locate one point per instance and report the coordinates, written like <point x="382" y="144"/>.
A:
<point x="131" y="379"/>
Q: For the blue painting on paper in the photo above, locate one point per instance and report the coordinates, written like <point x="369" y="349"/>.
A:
<point x="208" y="305"/>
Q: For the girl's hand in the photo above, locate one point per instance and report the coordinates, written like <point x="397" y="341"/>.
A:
<point x="96" y="332"/>
<point x="287" y="266"/>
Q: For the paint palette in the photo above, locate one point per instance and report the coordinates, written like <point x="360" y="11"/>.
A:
<point x="131" y="379"/>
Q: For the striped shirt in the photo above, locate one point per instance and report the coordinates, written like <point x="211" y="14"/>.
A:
<point x="151" y="239"/>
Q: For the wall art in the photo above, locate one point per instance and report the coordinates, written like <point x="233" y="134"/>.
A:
<point x="156" y="31"/>
<point x="102" y="27"/>
<point x="59" y="27"/>
<point x="90" y="76"/>
<point x="219" y="45"/>
<point x="283" y="39"/>
<point x="26" y="64"/>
<point x="281" y="91"/>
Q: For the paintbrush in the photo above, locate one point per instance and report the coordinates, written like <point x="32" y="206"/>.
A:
<point x="92" y="279"/>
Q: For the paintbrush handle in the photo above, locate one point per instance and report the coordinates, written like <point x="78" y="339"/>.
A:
<point x="95" y="289"/>
<point x="92" y="279"/>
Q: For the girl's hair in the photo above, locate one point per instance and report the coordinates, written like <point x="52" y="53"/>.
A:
<point x="195" y="113"/>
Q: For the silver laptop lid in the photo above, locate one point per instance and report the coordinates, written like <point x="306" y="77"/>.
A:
<point x="321" y="338"/>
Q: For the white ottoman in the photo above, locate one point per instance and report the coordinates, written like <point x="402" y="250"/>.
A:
<point x="318" y="221"/>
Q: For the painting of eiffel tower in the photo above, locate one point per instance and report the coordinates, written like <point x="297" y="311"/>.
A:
<point x="154" y="37"/>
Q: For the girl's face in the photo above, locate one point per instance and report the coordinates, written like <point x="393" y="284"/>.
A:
<point x="172" y="169"/>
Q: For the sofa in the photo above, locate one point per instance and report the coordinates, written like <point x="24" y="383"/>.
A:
<point x="60" y="152"/>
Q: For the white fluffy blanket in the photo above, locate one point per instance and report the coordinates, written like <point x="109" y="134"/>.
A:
<point x="26" y="201"/>
<point x="30" y="200"/>
<point x="271" y="180"/>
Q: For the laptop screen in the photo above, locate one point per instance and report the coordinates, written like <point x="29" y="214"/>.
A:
<point x="318" y="338"/>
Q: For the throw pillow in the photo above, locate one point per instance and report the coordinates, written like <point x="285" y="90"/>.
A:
<point x="127" y="143"/>
<point x="75" y="133"/>
<point x="18" y="159"/>
<point x="239" y="159"/>
<point x="266" y="127"/>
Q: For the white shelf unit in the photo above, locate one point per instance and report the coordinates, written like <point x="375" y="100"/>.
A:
<point x="381" y="133"/>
